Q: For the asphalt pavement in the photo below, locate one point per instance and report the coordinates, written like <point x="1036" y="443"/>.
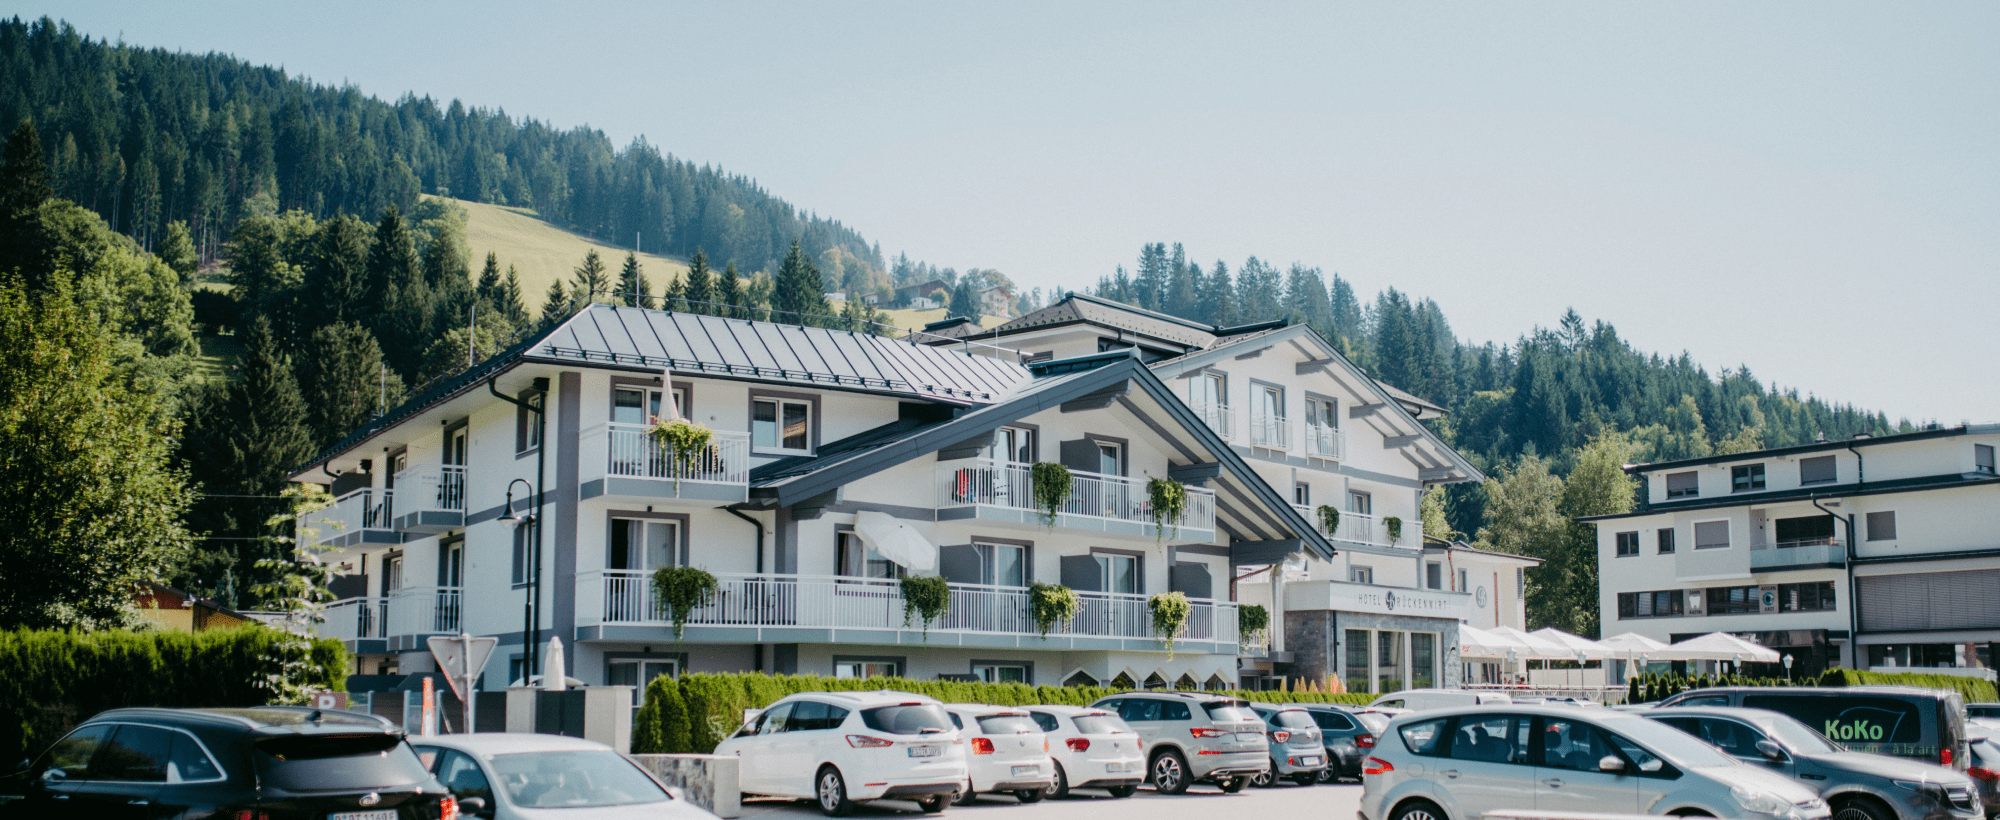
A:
<point x="1199" y="803"/>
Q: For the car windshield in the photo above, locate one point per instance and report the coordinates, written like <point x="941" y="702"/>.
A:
<point x="1227" y="710"/>
<point x="1295" y="719"/>
<point x="907" y="719"/>
<point x="1685" y="750"/>
<point x="1007" y="724"/>
<point x="322" y="762"/>
<point x="1100" y="725"/>
<point x="1800" y="737"/>
<point x="579" y="779"/>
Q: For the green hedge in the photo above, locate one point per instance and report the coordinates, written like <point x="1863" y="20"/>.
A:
<point x="50" y="681"/>
<point x="1651" y="688"/>
<point x="697" y="711"/>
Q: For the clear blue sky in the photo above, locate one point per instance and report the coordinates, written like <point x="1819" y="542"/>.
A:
<point x="1811" y="189"/>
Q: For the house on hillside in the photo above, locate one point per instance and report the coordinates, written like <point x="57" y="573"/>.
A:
<point x="932" y="293"/>
<point x="996" y="301"/>
<point x="1875" y="552"/>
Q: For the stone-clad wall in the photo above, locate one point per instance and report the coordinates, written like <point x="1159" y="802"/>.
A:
<point x="1313" y="637"/>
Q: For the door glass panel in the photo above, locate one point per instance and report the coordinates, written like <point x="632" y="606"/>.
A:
<point x="1573" y="745"/>
<point x="1107" y="459"/>
<point x="190" y="763"/>
<point x="660" y="544"/>
<point x="1389" y="662"/>
<point x="1360" y="503"/>
<point x="462" y="776"/>
<point x="1121" y="573"/>
<point x="628" y="406"/>
<point x="1002" y="565"/>
<point x="1423" y="660"/>
<point x="72" y="754"/>
<point x="795" y="426"/>
<point x="1734" y="739"/>
<point x="136" y="754"/>
<point x="1491" y="740"/>
<point x="1357" y="660"/>
<point x="764" y="424"/>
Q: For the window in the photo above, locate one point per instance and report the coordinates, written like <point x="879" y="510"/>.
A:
<point x="1882" y="526"/>
<point x="190" y="762"/>
<point x="1573" y="745"/>
<point x="1818" y="470"/>
<point x="1499" y="739"/>
<point x="1389" y="662"/>
<point x="1107" y="459"/>
<point x="640" y="405"/>
<point x="71" y="755"/>
<point x="1808" y="531"/>
<point x="643" y="544"/>
<point x="1322" y="413"/>
<point x="1356" y="675"/>
<point x="1811" y="597"/>
<point x="862" y="668"/>
<point x="1360" y="502"/>
<point x="1433" y="575"/>
<point x="1004" y="565"/>
<point x="462" y="776"/>
<point x="1302" y="494"/>
<point x="1423" y="660"/>
<point x="527" y="429"/>
<point x="1628" y="543"/>
<point x="1683" y="485"/>
<point x="392" y="573"/>
<point x="1267" y="418"/>
<point x="1746" y="477"/>
<point x="1001" y="672"/>
<point x="1463" y="586"/>
<point x="1657" y="604"/>
<point x="858" y="560"/>
<point x="1361" y="575"/>
<point x="524" y="553"/>
<point x="1521" y="583"/>
<point x="1982" y="458"/>
<point x="1710" y="535"/>
<point x="1013" y="444"/>
<point x="1120" y="572"/>
<point x="1208" y="390"/>
<point x="1732" y="600"/>
<point x="781" y="425"/>
<point x="639" y="673"/>
<point x="136" y="754"/>
<point x="1666" y="540"/>
<point x="815" y="716"/>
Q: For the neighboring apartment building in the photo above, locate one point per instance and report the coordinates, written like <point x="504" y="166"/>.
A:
<point x="1779" y="545"/>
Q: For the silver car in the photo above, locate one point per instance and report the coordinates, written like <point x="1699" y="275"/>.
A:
<point x="1296" y="753"/>
<point x="1459" y="764"/>
<point x="1194" y="736"/>
<point x="1858" y="786"/>
<point x="499" y="776"/>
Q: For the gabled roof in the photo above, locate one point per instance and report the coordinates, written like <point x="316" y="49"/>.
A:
<point x="1816" y="447"/>
<point x="1080" y="307"/>
<point x="1848" y="490"/>
<point x="1248" y="508"/>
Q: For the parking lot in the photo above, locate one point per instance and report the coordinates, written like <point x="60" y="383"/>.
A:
<point x="1202" y="802"/>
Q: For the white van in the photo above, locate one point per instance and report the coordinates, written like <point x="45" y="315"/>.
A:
<point x="1418" y="700"/>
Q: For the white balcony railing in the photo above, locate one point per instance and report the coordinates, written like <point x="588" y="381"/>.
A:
<point x="1217" y="417"/>
<point x="1270" y="431"/>
<point x="631" y="452"/>
<point x="423" y="611"/>
<point x="836" y="602"/>
<point x="985" y="482"/>
<point x="432" y="488"/>
<point x="1326" y="442"/>
<point x="354" y="618"/>
<point x="1360" y="528"/>
<point x="349" y="515"/>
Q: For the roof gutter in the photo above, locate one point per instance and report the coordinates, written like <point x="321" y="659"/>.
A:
<point x="1853" y="604"/>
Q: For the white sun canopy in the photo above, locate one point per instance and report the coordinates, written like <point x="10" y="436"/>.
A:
<point x="1591" y="650"/>
<point x="1537" y="648"/>
<point x="1480" y="643"/>
<point x="1718" y="646"/>
<point x="896" y="541"/>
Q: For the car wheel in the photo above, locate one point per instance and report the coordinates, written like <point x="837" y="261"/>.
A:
<point x="831" y="790"/>
<point x="1857" y="809"/>
<point x="934" y="804"/>
<point x="967" y="797"/>
<point x="1029" y="795"/>
<point x="1122" y="792"/>
<point x="1232" y="785"/>
<point x="1328" y="775"/>
<point x="1059" y="788"/>
<point x="1418" y="810"/>
<point x="1307" y="779"/>
<point x="1170" y="773"/>
<point x="1265" y="778"/>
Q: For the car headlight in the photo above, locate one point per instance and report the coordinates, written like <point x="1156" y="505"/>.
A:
<point x="1935" y="791"/>
<point x="1757" y="802"/>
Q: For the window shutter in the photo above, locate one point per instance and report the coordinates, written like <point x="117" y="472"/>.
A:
<point x="1882" y="526"/>
<point x="1190" y="579"/>
<point x="1930" y="600"/>
<point x="1816" y="470"/>
<point x="1711" y="534"/>
<point x="1080" y="455"/>
<point x="959" y="563"/>
<point x="1682" y="484"/>
<point x="1081" y="573"/>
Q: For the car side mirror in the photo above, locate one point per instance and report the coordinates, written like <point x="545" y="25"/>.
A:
<point x="1610" y="763"/>
<point x="26" y="764"/>
<point x="475" y="806"/>
<point x="1771" y="750"/>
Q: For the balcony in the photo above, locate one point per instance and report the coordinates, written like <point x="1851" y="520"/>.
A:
<point x="633" y="466"/>
<point x="1004" y="491"/>
<point x="433" y="497"/>
<point x="1217" y="417"/>
<point x="1362" y="528"/>
<point x="1326" y="442"/>
<point x="619" y="605"/>
<point x="353" y="620"/>
<point x="1270" y="431"/>
<point x="359" y="517"/>
<point x="414" y="613"/>
<point x="1802" y="553"/>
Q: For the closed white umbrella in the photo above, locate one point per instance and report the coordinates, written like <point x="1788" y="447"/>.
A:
<point x="896" y="541"/>
<point x="1591" y="650"/>
<point x="553" y="679"/>
<point x="1719" y="646"/>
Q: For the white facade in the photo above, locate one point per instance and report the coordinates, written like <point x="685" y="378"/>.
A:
<point x="1779" y="544"/>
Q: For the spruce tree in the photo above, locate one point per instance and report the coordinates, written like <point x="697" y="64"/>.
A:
<point x="177" y="249"/>
<point x="964" y="302"/>
<point x="699" y="286"/>
<point x="632" y="290"/>
<point x="341" y="377"/>
<point x="555" y="305"/>
<point x="590" y="281"/>
<point x="729" y="292"/>
<point x="512" y="305"/>
<point x="799" y="296"/>
<point x="1218" y="296"/>
<point x="24" y="180"/>
<point x="488" y="290"/>
<point x="338" y="278"/>
<point x="402" y="322"/>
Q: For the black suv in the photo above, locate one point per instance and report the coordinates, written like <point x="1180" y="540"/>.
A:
<point x="271" y="763"/>
<point x="1899" y="721"/>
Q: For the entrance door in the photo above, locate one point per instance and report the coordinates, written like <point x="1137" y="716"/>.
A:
<point x="451" y="578"/>
<point x="638" y="547"/>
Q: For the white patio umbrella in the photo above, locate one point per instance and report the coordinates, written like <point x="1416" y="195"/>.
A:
<point x="1592" y="650"/>
<point x="1633" y="644"/>
<point x="1537" y="648"/>
<point x="896" y="541"/>
<point x="1479" y="643"/>
<point x="553" y="679"/>
<point x="1719" y="646"/>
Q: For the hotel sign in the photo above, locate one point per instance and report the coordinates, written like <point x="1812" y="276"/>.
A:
<point x="1378" y="600"/>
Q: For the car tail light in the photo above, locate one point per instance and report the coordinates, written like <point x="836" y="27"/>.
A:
<point x="866" y="742"/>
<point x="448" y="808"/>
<point x="1280" y="736"/>
<point x="1045" y="743"/>
<point x="249" y="814"/>
<point x="1376" y="765"/>
<point x="1983" y="773"/>
<point x="1078" y="744"/>
<point x="1365" y="741"/>
<point x="982" y="746"/>
<point x="1944" y="757"/>
<point x="1199" y="732"/>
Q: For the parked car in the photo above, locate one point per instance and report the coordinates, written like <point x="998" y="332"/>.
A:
<point x="1194" y="737"/>
<point x="278" y="761"/>
<point x="1092" y="749"/>
<point x="533" y="771"/>
<point x="1982" y="710"/>
<point x="1417" y="700"/>
<point x="1007" y="752"/>
<point x="1459" y="764"/>
<point x="1855" y="785"/>
<point x="1901" y="721"/>
<point x="1985" y="772"/>
<point x="837" y="748"/>
<point x="1296" y="753"/>
<point x="1347" y="735"/>
<point x="1571" y="700"/>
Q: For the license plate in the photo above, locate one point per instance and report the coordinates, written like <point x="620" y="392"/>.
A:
<point x="385" y="814"/>
<point x="1119" y="768"/>
<point x="1309" y="761"/>
<point x="1248" y="737"/>
<point x="1027" y="771"/>
<point x="925" y="751"/>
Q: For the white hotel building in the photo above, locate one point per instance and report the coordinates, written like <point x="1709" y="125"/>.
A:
<point x="824" y="438"/>
<point x="1780" y="546"/>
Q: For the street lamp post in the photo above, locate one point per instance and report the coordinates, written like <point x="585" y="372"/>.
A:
<point x="1510" y="661"/>
<point x="1736" y="668"/>
<point x="1580" y="676"/>
<point x="531" y="619"/>
<point x="1788" y="667"/>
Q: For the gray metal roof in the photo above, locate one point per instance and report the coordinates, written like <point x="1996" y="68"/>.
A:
<point x="697" y="344"/>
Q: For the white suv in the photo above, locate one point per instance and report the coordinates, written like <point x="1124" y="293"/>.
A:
<point x="1092" y="748"/>
<point x="840" y="747"/>
<point x="1006" y="751"/>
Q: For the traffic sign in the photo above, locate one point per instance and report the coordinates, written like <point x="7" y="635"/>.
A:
<point x="459" y="658"/>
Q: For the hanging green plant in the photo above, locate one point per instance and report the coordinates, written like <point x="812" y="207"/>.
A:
<point x="1251" y="621"/>
<point x="684" y="441"/>
<point x="1395" y="526"/>
<point x="678" y="590"/>
<point x="1169" y="504"/>
<point x="1170" y="613"/>
<point x="927" y="597"/>
<point x="1329" y="519"/>
<point x="1052" y="487"/>
<point x="1050" y="604"/>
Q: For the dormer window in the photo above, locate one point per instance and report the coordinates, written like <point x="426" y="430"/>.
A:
<point x="1818" y="470"/>
<point x="781" y="425"/>
<point x="1683" y="485"/>
<point x="1746" y="478"/>
<point x="1982" y="459"/>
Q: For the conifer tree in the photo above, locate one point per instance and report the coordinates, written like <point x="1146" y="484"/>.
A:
<point x="24" y="180"/>
<point x="177" y="249"/>
<point x="964" y="302"/>
<point x="1218" y="296"/>
<point x="488" y="289"/>
<point x="403" y="321"/>
<point x="729" y="292"/>
<point x="590" y="280"/>
<point x="799" y="295"/>
<point x="338" y="278"/>
<point x="392" y="263"/>
<point x="699" y="286"/>
<point x="632" y="290"/>
<point x="511" y="304"/>
<point x="341" y="377"/>
<point x="555" y="305"/>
